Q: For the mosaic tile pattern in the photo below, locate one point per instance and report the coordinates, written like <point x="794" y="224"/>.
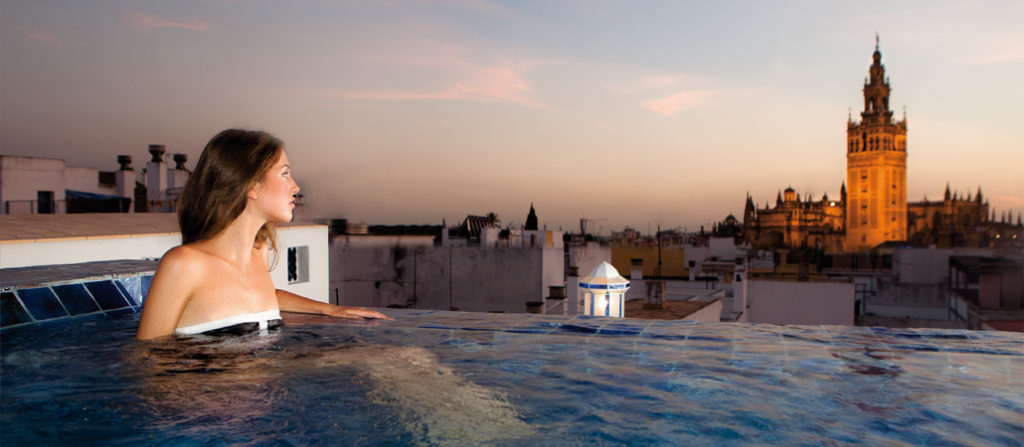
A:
<point x="67" y="273"/>
<point x="736" y="337"/>
<point x="100" y="289"/>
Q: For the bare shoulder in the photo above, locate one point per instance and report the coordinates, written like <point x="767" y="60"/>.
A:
<point x="185" y="266"/>
<point x="173" y="284"/>
<point x="182" y="252"/>
<point x="183" y="258"/>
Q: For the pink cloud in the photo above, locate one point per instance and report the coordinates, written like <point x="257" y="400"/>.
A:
<point x="467" y="81"/>
<point x="501" y="83"/>
<point x="143" y="22"/>
<point x="671" y="104"/>
<point x="380" y="95"/>
<point x="45" y="37"/>
<point x="1009" y="51"/>
<point x="50" y="39"/>
<point x="1000" y="202"/>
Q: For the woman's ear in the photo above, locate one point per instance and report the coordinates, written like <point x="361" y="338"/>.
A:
<point x="254" y="191"/>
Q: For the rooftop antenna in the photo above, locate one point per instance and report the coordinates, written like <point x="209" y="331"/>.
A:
<point x="657" y="274"/>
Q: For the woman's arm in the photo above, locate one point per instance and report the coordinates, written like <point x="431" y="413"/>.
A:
<point x="168" y="294"/>
<point x="290" y="302"/>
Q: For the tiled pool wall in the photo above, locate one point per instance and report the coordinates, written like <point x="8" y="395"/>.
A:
<point x="38" y="294"/>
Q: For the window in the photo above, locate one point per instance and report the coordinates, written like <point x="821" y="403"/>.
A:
<point x="298" y="264"/>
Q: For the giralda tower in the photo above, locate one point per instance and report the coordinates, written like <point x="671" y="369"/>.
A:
<point x="876" y="167"/>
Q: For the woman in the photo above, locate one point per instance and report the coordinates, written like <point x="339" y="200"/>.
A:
<point x="219" y="278"/>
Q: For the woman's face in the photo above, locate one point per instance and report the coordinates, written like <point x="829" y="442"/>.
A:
<point x="275" y="193"/>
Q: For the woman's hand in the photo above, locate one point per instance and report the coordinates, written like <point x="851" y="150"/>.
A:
<point x="290" y="302"/>
<point x="355" y="312"/>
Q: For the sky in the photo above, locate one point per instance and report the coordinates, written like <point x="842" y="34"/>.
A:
<point x="626" y="113"/>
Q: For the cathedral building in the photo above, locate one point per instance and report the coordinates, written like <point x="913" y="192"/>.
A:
<point x="872" y="208"/>
<point x="953" y="221"/>
<point x="793" y="222"/>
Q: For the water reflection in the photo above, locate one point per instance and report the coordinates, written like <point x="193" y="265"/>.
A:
<point x="217" y="381"/>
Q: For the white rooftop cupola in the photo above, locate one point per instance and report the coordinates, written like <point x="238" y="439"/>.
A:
<point x="603" y="292"/>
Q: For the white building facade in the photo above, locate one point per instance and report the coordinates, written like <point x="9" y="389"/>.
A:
<point x="300" y="266"/>
<point x="437" y="272"/>
<point x="35" y="185"/>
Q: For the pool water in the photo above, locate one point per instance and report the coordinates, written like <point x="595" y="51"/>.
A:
<point x="454" y="378"/>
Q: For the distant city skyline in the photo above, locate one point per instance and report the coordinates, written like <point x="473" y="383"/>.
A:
<point x="410" y="112"/>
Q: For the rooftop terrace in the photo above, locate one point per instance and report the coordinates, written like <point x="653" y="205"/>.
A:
<point x="36" y="227"/>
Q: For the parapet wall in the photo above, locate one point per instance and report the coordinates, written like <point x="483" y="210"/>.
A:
<point x="800" y="302"/>
<point x="469" y="278"/>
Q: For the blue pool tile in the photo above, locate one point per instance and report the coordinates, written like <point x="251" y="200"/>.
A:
<point x="76" y="300"/>
<point x="620" y="330"/>
<point x="128" y="284"/>
<point x="709" y="338"/>
<point x="11" y="312"/>
<point x="42" y="303"/>
<point x="124" y="311"/>
<point x="438" y="326"/>
<point x="107" y="295"/>
<point x="658" y="336"/>
<point x="631" y="326"/>
<point x="896" y="332"/>
<point x="528" y="330"/>
<point x="916" y="347"/>
<point x="984" y="351"/>
<point x="949" y="335"/>
<point x="145" y="281"/>
<point x="532" y="326"/>
<point x="478" y="328"/>
<point x="579" y="328"/>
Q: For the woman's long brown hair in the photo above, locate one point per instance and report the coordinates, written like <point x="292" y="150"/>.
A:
<point x="216" y="193"/>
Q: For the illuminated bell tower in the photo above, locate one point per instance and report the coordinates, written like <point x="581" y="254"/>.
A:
<point x="876" y="167"/>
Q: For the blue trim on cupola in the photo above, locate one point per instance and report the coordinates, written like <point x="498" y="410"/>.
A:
<point x="584" y="285"/>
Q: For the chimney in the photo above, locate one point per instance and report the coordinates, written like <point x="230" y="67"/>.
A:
<point x="572" y="285"/>
<point x="739" y="287"/>
<point x="124" y="180"/>
<point x="157" y="151"/>
<point x="156" y="178"/>
<point x="125" y="161"/>
<point x="177" y="177"/>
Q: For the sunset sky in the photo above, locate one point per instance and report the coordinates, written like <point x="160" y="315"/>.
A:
<point x="634" y="113"/>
